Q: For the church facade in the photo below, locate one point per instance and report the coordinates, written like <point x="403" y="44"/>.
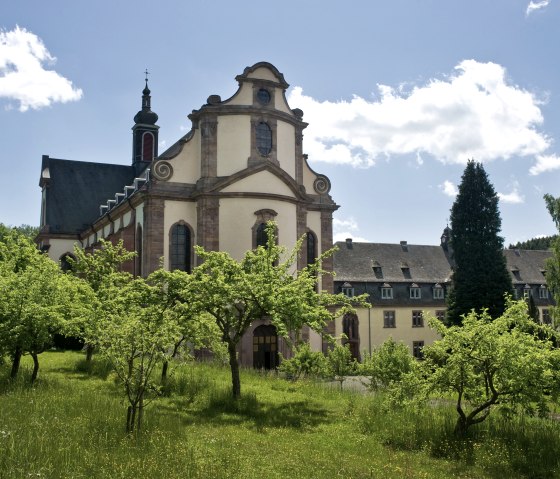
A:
<point x="241" y="165"/>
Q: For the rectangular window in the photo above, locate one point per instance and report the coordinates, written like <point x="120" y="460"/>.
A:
<point x="348" y="292"/>
<point x="543" y="293"/>
<point x="439" y="293"/>
<point x="389" y="319"/>
<point x="527" y="292"/>
<point x="417" y="319"/>
<point x="417" y="349"/>
<point x="415" y="293"/>
<point x="546" y="319"/>
<point x="440" y="315"/>
<point x="386" y="293"/>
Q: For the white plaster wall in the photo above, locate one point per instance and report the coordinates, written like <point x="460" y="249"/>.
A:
<point x="106" y="230"/>
<point x="263" y="181"/>
<point x="237" y="218"/>
<point x="315" y="341"/>
<point x="286" y="148"/>
<point x="175" y="211"/>
<point x="186" y="165"/>
<point x="234" y="143"/>
<point x="308" y="179"/>
<point x="140" y="216"/>
<point x="244" y="96"/>
<point x="372" y="322"/>
<point x="60" y="246"/>
<point x="280" y="102"/>
<point x="127" y="217"/>
<point x="263" y="73"/>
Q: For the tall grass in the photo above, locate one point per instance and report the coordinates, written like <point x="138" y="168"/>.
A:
<point x="72" y="424"/>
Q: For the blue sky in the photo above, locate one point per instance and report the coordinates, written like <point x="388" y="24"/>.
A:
<point x="398" y="95"/>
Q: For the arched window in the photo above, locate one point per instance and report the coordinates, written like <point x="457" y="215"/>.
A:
<point x="138" y="248"/>
<point x="65" y="264"/>
<point x="350" y="328"/>
<point x="261" y="237"/>
<point x="147" y="146"/>
<point x="180" y="248"/>
<point x="311" y="247"/>
<point x="264" y="138"/>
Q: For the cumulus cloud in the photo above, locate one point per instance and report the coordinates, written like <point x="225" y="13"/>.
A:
<point x="545" y="163"/>
<point x="347" y="228"/>
<point x="23" y="74"/>
<point x="475" y="112"/>
<point x="514" y="197"/>
<point x="533" y="6"/>
<point x="449" y="188"/>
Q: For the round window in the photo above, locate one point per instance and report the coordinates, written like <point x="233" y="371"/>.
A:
<point x="263" y="96"/>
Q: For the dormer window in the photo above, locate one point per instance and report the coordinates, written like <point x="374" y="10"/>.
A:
<point x="386" y="291"/>
<point x="405" y="270"/>
<point x="415" y="291"/>
<point x="515" y="272"/>
<point x="377" y="271"/>
<point x="543" y="292"/>
<point x="527" y="292"/>
<point x="439" y="292"/>
<point x="347" y="290"/>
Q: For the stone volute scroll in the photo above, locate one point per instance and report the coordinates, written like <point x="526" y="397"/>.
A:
<point x="162" y="170"/>
<point x="322" y="185"/>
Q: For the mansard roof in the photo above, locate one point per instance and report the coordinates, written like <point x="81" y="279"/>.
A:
<point x="527" y="266"/>
<point x="75" y="189"/>
<point x="398" y="263"/>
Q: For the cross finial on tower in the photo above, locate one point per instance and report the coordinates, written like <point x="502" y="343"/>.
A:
<point x="146" y="72"/>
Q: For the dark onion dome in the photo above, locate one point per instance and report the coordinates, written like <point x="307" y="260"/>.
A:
<point x="146" y="116"/>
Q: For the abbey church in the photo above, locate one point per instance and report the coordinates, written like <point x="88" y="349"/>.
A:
<point x="242" y="164"/>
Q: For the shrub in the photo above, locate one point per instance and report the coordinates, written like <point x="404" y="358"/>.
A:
<point x="304" y="363"/>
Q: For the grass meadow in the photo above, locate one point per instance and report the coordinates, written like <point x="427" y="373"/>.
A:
<point x="71" y="424"/>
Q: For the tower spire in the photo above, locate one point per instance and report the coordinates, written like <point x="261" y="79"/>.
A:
<point x="145" y="130"/>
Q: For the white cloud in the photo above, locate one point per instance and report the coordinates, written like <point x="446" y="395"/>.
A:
<point x="347" y="228"/>
<point x="449" y="188"/>
<point x="473" y="113"/>
<point x="545" y="163"/>
<point x="514" y="197"/>
<point x="23" y="77"/>
<point x="533" y="6"/>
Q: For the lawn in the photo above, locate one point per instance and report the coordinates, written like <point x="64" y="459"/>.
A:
<point x="72" y="424"/>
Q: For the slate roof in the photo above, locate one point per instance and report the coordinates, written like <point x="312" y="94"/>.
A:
<point x="76" y="189"/>
<point x="530" y="265"/>
<point x="355" y="262"/>
<point x="398" y="263"/>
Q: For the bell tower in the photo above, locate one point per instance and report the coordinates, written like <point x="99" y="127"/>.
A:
<point x="144" y="133"/>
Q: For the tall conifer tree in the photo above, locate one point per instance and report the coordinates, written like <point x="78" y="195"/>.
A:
<point x="480" y="276"/>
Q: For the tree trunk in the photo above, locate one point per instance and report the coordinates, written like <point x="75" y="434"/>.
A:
<point x="35" y="367"/>
<point x="130" y="418"/>
<point x="461" y="427"/>
<point x="89" y="352"/>
<point x="164" y="369"/>
<point x="140" y="412"/>
<point x="234" y="365"/>
<point x="15" y="362"/>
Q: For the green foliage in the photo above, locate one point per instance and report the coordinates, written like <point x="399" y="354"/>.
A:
<point x="305" y="363"/>
<point x="37" y="300"/>
<point x="340" y="363"/>
<point x="263" y="284"/>
<point x="480" y="277"/>
<point x="387" y="364"/>
<point x="542" y="243"/>
<point x="491" y="365"/>
<point x="553" y="264"/>
<point x="30" y="232"/>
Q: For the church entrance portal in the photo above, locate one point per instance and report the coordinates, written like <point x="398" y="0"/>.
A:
<point x="265" y="347"/>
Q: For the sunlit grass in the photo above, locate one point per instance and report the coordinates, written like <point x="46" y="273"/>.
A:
<point x="72" y="424"/>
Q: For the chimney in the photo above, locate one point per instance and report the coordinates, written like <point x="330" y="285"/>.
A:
<point x="349" y="243"/>
<point x="404" y="245"/>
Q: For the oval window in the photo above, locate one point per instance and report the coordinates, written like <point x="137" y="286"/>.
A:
<point x="264" y="138"/>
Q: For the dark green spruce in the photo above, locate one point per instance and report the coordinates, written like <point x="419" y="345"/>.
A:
<point x="480" y="277"/>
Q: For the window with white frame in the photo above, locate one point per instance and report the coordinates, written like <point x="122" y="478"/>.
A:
<point x="527" y="292"/>
<point x="543" y="292"/>
<point x="386" y="292"/>
<point x="347" y="290"/>
<point x="417" y="319"/>
<point x="546" y="319"/>
<point x="415" y="291"/>
<point x="439" y="291"/>
<point x="440" y="315"/>
<point x="389" y="319"/>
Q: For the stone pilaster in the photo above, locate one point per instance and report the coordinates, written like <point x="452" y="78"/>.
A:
<point x="208" y="231"/>
<point x="301" y="213"/>
<point x="209" y="146"/>
<point x="152" y="247"/>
